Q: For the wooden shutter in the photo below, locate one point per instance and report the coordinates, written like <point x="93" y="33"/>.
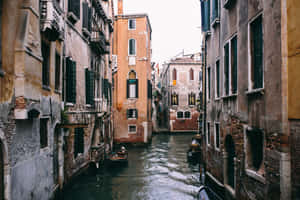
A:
<point x="85" y="13"/>
<point x="137" y="88"/>
<point x="234" y="65"/>
<point x="226" y="68"/>
<point x="127" y="94"/>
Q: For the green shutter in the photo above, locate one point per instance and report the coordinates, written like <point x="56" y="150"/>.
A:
<point x="137" y="88"/>
<point x="127" y="91"/>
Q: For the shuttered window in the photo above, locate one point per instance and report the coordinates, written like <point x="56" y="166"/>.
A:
<point x="149" y="89"/>
<point x="226" y="69"/>
<point x="215" y="9"/>
<point x="234" y="65"/>
<point x="78" y="141"/>
<point x="89" y="87"/>
<point x="57" y="71"/>
<point x="74" y="7"/>
<point x="208" y="83"/>
<point x="174" y="74"/>
<point x="132" y="46"/>
<point x="257" y="53"/>
<point x="46" y="65"/>
<point x="70" y="81"/>
<point x="205" y="15"/>
<point x="218" y="79"/>
<point x="191" y="74"/>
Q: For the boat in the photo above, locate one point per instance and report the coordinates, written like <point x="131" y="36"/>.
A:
<point x="121" y="157"/>
<point x="194" y="152"/>
<point x="205" y="193"/>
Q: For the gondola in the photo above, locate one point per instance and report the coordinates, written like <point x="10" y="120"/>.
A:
<point x="121" y="157"/>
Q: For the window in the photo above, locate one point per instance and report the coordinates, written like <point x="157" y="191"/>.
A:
<point x="132" y="85"/>
<point x="217" y="136"/>
<point x="132" y="47"/>
<point x="174" y="99"/>
<point x="215" y="10"/>
<point x="89" y="87"/>
<point x="208" y="83"/>
<point x="78" y="141"/>
<point x="132" y="114"/>
<point x="174" y="74"/>
<point x="57" y="71"/>
<point x="192" y="98"/>
<point x="70" y="81"/>
<point x="179" y="115"/>
<point x="230" y="67"/>
<point x="191" y="74"/>
<point x="149" y="89"/>
<point x="229" y="164"/>
<point x="74" y="9"/>
<point x="46" y="65"/>
<point x="205" y="15"/>
<point x="217" y="79"/>
<point x="254" y="149"/>
<point x="233" y="65"/>
<point x="187" y="114"/>
<point x="131" y="24"/>
<point x="132" y="128"/>
<point x="208" y="134"/>
<point x="43" y="133"/>
<point x="256" y="54"/>
<point x="86" y="17"/>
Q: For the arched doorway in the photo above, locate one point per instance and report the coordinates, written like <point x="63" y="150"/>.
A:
<point x="1" y="171"/>
<point x="230" y="151"/>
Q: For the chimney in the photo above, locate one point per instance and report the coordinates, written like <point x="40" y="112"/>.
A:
<point x="120" y="7"/>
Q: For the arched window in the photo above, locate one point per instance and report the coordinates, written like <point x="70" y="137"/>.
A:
<point x="230" y="164"/>
<point x="174" y="74"/>
<point x="191" y="74"/>
<point x="132" y="85"/>
<point x="174" y="99"/>
<point x="132" y="47"/>
<point x="192" y="98"/>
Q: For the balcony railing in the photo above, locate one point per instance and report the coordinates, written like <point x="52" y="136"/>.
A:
<point x="99" y="43"/>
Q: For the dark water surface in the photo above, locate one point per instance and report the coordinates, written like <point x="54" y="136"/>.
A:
<point x="157" y="172"/>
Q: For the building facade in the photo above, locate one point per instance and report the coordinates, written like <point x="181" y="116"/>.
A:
<point x="132" y="81"/>
<point x="182" y="84"/>
<point x="55" y="91"/>
<point x="251" y="117"/>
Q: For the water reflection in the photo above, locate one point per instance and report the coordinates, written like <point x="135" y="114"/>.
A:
<point x="157" y="172"/>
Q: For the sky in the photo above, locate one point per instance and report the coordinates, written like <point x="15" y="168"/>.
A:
<point x="175" y="25"/>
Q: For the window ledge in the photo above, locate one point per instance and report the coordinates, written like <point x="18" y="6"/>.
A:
<point x="253" y="174"/>
<point x="88" y="105"/>
<point x="57" y="91"/>
<point x="230" y="190"/>
<point x="215" y="22"/>
<point x="218" y="99"/>
<point x="256" y="91"/>
<point x="229" y="96"/>
<point x="68" y="104"/>
<point x="45" y="87"/>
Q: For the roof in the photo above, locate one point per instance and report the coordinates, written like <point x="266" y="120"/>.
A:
<point x="133" y="16"/>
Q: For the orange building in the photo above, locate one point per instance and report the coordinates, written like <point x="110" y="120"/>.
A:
<point x="132" y="78"/>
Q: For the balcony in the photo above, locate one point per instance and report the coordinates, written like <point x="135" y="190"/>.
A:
<point x="99" y="43"/>
<point x="99" y="9"/>
<point x="71" y="119"/>
<point x="51" y="21"/>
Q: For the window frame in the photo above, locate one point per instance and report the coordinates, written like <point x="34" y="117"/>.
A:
<point x="134" y="28"/>
<point x="132" y="125"/>
<point x="190" y="96"/>
<point x="135" y="47"/>
<point x="208" y="134"/>
<point x="215" y="136"/>
<point x="230" y="66"/>
<point x="42" y="139"/>
<point x="135" y="115"/>
<point x="182" y="115"/>
<point x="177" y="98"/>
<point x="217" y="81"/>
<point x="250" y="56"/>
<point x="187" y="117"/>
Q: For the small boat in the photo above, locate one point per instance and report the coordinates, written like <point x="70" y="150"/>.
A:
<point x="121" y="157"/>
<point x="194" y="152"/>
<point x="205" y="193"/>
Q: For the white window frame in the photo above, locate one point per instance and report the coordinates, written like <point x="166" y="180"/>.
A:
<point x="182" y="114"/>
<point x="215" y="136"/>
<point x="129" y="125"/>
<point x="208" y="131"/>
<point x="190" y="114"/>
<point x="230" y="66"/>
<point x="250" y="84"/>
<point x="135" y="45"/>
<point x="129" y="24"/>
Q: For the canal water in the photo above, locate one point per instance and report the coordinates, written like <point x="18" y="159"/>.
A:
<point x="157" y="172"/>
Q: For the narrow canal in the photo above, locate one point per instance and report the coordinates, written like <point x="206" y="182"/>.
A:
<point x="157" y="172"/>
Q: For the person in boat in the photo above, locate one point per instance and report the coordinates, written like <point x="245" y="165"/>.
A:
<point x="123" y="151"/>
